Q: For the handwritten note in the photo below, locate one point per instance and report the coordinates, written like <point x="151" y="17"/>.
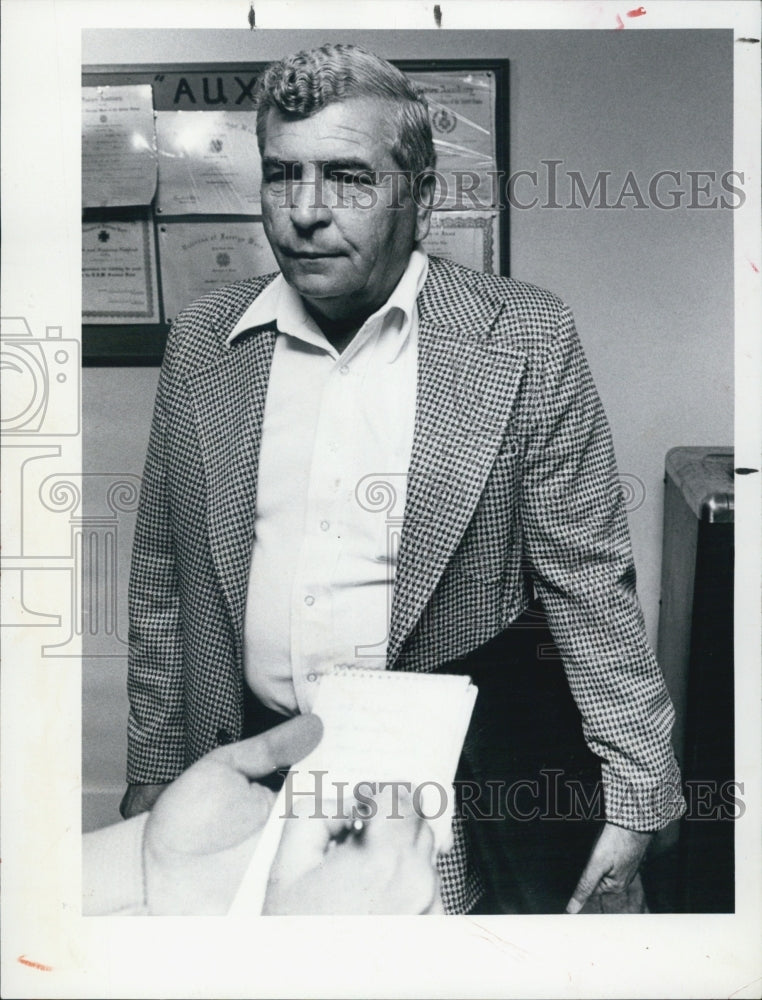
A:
<point x="378" y="727"/>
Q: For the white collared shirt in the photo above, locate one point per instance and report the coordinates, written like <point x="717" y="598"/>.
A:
<point x="337" y="436"/>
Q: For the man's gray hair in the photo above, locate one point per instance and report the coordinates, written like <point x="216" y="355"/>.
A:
<point x="304" y="83"/>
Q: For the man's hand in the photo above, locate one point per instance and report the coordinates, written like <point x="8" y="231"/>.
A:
<point x="387" y="869"/>
<point x="613" y="863"/>
<point x="139" y="799"/>
<point x="201" y="833"/>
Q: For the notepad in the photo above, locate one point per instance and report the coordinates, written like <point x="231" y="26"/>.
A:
<point x="378" y="727"/>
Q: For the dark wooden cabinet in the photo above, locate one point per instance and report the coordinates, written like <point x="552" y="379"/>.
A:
<point x="695" y="651"/>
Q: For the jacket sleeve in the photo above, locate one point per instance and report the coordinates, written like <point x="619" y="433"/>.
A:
<point x="156" y="730"/>
<point x="578" y="547"/>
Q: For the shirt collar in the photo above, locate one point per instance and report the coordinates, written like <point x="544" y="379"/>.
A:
<point x="279" y="303"/>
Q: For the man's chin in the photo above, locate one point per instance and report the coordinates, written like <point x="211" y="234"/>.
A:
<point x="316" y="285"/>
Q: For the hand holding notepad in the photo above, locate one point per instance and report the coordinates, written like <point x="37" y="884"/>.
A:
<point x="388" y="732"/>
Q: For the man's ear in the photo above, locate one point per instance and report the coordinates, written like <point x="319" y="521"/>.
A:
<point x="423" y="193"/>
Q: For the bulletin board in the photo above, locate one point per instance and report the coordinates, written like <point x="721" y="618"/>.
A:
<point x="170" y="189"/>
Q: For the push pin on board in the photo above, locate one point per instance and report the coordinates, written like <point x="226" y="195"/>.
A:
<point x="437" y="15"/>
<point x="252" y="18"/>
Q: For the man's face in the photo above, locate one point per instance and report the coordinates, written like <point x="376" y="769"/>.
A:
<point x="341" y="234"/>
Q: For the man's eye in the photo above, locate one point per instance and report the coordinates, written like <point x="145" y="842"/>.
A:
<point x="279" y="174"/>
<point x="358" y="178"/>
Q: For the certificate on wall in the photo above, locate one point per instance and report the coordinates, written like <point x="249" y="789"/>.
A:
<point x="208" y="163"/>
<point x="462" y="109"/>
<point x="118" y="146"/>
<point x="468" y="238"/>
<point x="197" y="257"/>
<point x="119" y="273"/>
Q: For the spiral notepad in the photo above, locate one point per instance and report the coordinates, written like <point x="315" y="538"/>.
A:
<point x="378" y="726"/>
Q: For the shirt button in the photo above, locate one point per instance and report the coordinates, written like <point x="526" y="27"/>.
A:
<point x="309" y="600"/>
<point x="324" y="525"/>
<point x="311" y="678"/>
<point x="344" y="370"/>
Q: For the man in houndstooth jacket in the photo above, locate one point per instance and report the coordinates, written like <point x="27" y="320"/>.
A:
<point x="469" y="398"/>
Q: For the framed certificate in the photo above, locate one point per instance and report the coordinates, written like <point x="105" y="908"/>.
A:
<point x="468" y="238"/>
<point x="208" y="163"/>
<point x="462" y="111"/>
<point x="119" y="272"/>
<point x="198" y="257"/>
<point x="118" y="146"/>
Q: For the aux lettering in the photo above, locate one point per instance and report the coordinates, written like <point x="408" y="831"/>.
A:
<point x="213" y="91"/>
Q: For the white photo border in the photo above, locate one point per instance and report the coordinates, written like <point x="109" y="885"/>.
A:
<point x="49" y="950"/>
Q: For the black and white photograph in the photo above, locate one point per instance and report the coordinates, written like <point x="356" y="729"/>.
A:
<point x="382" y="449"/>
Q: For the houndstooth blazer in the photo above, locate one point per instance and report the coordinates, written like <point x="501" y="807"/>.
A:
<point x="512" y="471"/>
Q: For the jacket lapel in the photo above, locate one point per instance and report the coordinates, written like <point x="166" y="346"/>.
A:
<point x="466" y="387"/>
<point x="467" y="384"/>
<point x="229" y="398"/>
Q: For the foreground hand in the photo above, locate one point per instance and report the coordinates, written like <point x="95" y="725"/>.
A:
<point x="613" y="863"/>
<point x="202" y="831"/>
<point x="387" y="869"/>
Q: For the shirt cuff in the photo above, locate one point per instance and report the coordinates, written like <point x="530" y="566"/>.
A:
<point x="645" y="805"/>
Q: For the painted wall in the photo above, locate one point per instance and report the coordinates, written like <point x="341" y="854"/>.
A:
<point x="651" y="288"/>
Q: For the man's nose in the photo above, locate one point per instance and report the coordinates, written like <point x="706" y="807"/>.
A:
<point x="308" y="206"/>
